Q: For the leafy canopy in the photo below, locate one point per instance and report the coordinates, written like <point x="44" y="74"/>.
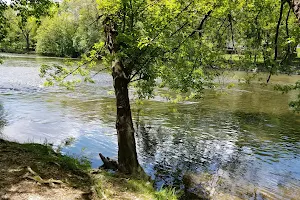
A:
<point x="183" y="44"/>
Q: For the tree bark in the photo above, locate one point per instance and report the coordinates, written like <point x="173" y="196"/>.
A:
<point x="295" y="6"/>
<point x="26" y="35"/>
<point x="276" y="39"/>
<point x="127" y="156"/>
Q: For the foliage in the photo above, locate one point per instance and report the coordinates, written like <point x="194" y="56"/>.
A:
<point x="20" y="24"/>
<point x="3" y="7"/>
<point x="78" y="32"/>
<point x="89" y="29"/>
<point x="287" y="88"/>
<point x="2" y="25"/>
<point x="182" y="44"/>
<point x="17" y="39"/>
<point x="57" y="74"/>
<point x="263" y="41"/>
<point x="72" y="31"/>
<point x="55" y="36"/>
<point x="29" y="13"/>
<point x="31" y="8"/>
<point x="159" y="39"/>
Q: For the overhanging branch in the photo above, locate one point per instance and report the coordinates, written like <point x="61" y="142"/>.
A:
<point x="198" y="29"/>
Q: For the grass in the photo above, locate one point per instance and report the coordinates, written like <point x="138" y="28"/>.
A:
<point x="121" y="187"/>
<point x="76" y="173"/>
<point x="298" y="52"/>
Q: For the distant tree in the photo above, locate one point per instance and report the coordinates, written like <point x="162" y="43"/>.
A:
<point x="72" y="31"/>
<point x="16" y="39"/>
<point x="55" y="36"/>
<point x="3" y="31"/>
<point x="30" y="12"/>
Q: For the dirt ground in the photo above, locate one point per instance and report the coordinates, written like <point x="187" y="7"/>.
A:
<point x="36" y="172"/>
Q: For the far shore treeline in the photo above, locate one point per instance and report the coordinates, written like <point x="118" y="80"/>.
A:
<point x="66" y="29"/>
<point x="70" y="28"/>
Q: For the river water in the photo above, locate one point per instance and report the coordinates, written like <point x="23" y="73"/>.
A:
<point x="244" y="140"/>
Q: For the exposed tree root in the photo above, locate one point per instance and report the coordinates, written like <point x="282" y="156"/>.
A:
<point x="39" y="179"/>
<point x="108" y="163"/>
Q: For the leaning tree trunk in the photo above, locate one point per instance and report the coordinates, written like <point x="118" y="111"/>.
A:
<point x="295" y="5"/>
<point x="127" y="155"/>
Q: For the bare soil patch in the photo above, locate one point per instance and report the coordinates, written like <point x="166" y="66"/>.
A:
<point x="34" y="171"/>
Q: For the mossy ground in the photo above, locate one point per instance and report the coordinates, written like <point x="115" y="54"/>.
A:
<point x="79" y="180"/>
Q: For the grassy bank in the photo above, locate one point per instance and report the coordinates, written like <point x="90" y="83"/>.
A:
<point x="36" y="171"/>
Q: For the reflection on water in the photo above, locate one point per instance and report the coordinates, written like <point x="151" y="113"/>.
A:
<point x="247" y="136"/>
<point x="3" y="121"/>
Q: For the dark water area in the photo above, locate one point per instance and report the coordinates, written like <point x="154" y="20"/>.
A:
<point x="242" y="139"/>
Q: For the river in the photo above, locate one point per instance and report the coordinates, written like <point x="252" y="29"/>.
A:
<point x="247" y="137"/>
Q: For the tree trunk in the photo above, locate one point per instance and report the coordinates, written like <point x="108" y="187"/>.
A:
<point x="295" y="5"/>
<point x="27" y="43"/>
<point x="127" y="156"/>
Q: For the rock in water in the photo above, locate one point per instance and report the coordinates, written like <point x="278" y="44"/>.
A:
<point x="193" y="190"/>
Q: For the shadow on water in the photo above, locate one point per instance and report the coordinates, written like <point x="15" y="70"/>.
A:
<point x="3" y="121"/>
<point x="246" y="150"/>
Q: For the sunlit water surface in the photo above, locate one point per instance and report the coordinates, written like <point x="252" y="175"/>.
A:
<point x="247" y="136"/>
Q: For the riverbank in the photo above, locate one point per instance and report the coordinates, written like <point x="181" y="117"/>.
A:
<point x="35" y="171"/>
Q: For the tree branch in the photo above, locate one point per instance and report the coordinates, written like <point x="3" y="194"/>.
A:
<point x="157" y="35"/>
<point x="288" y="51"/>
<point x="100" y="71"/>
<point x="276" y="39"/>
<point x="97" y="19"/>
<point x="199" y="29"/>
